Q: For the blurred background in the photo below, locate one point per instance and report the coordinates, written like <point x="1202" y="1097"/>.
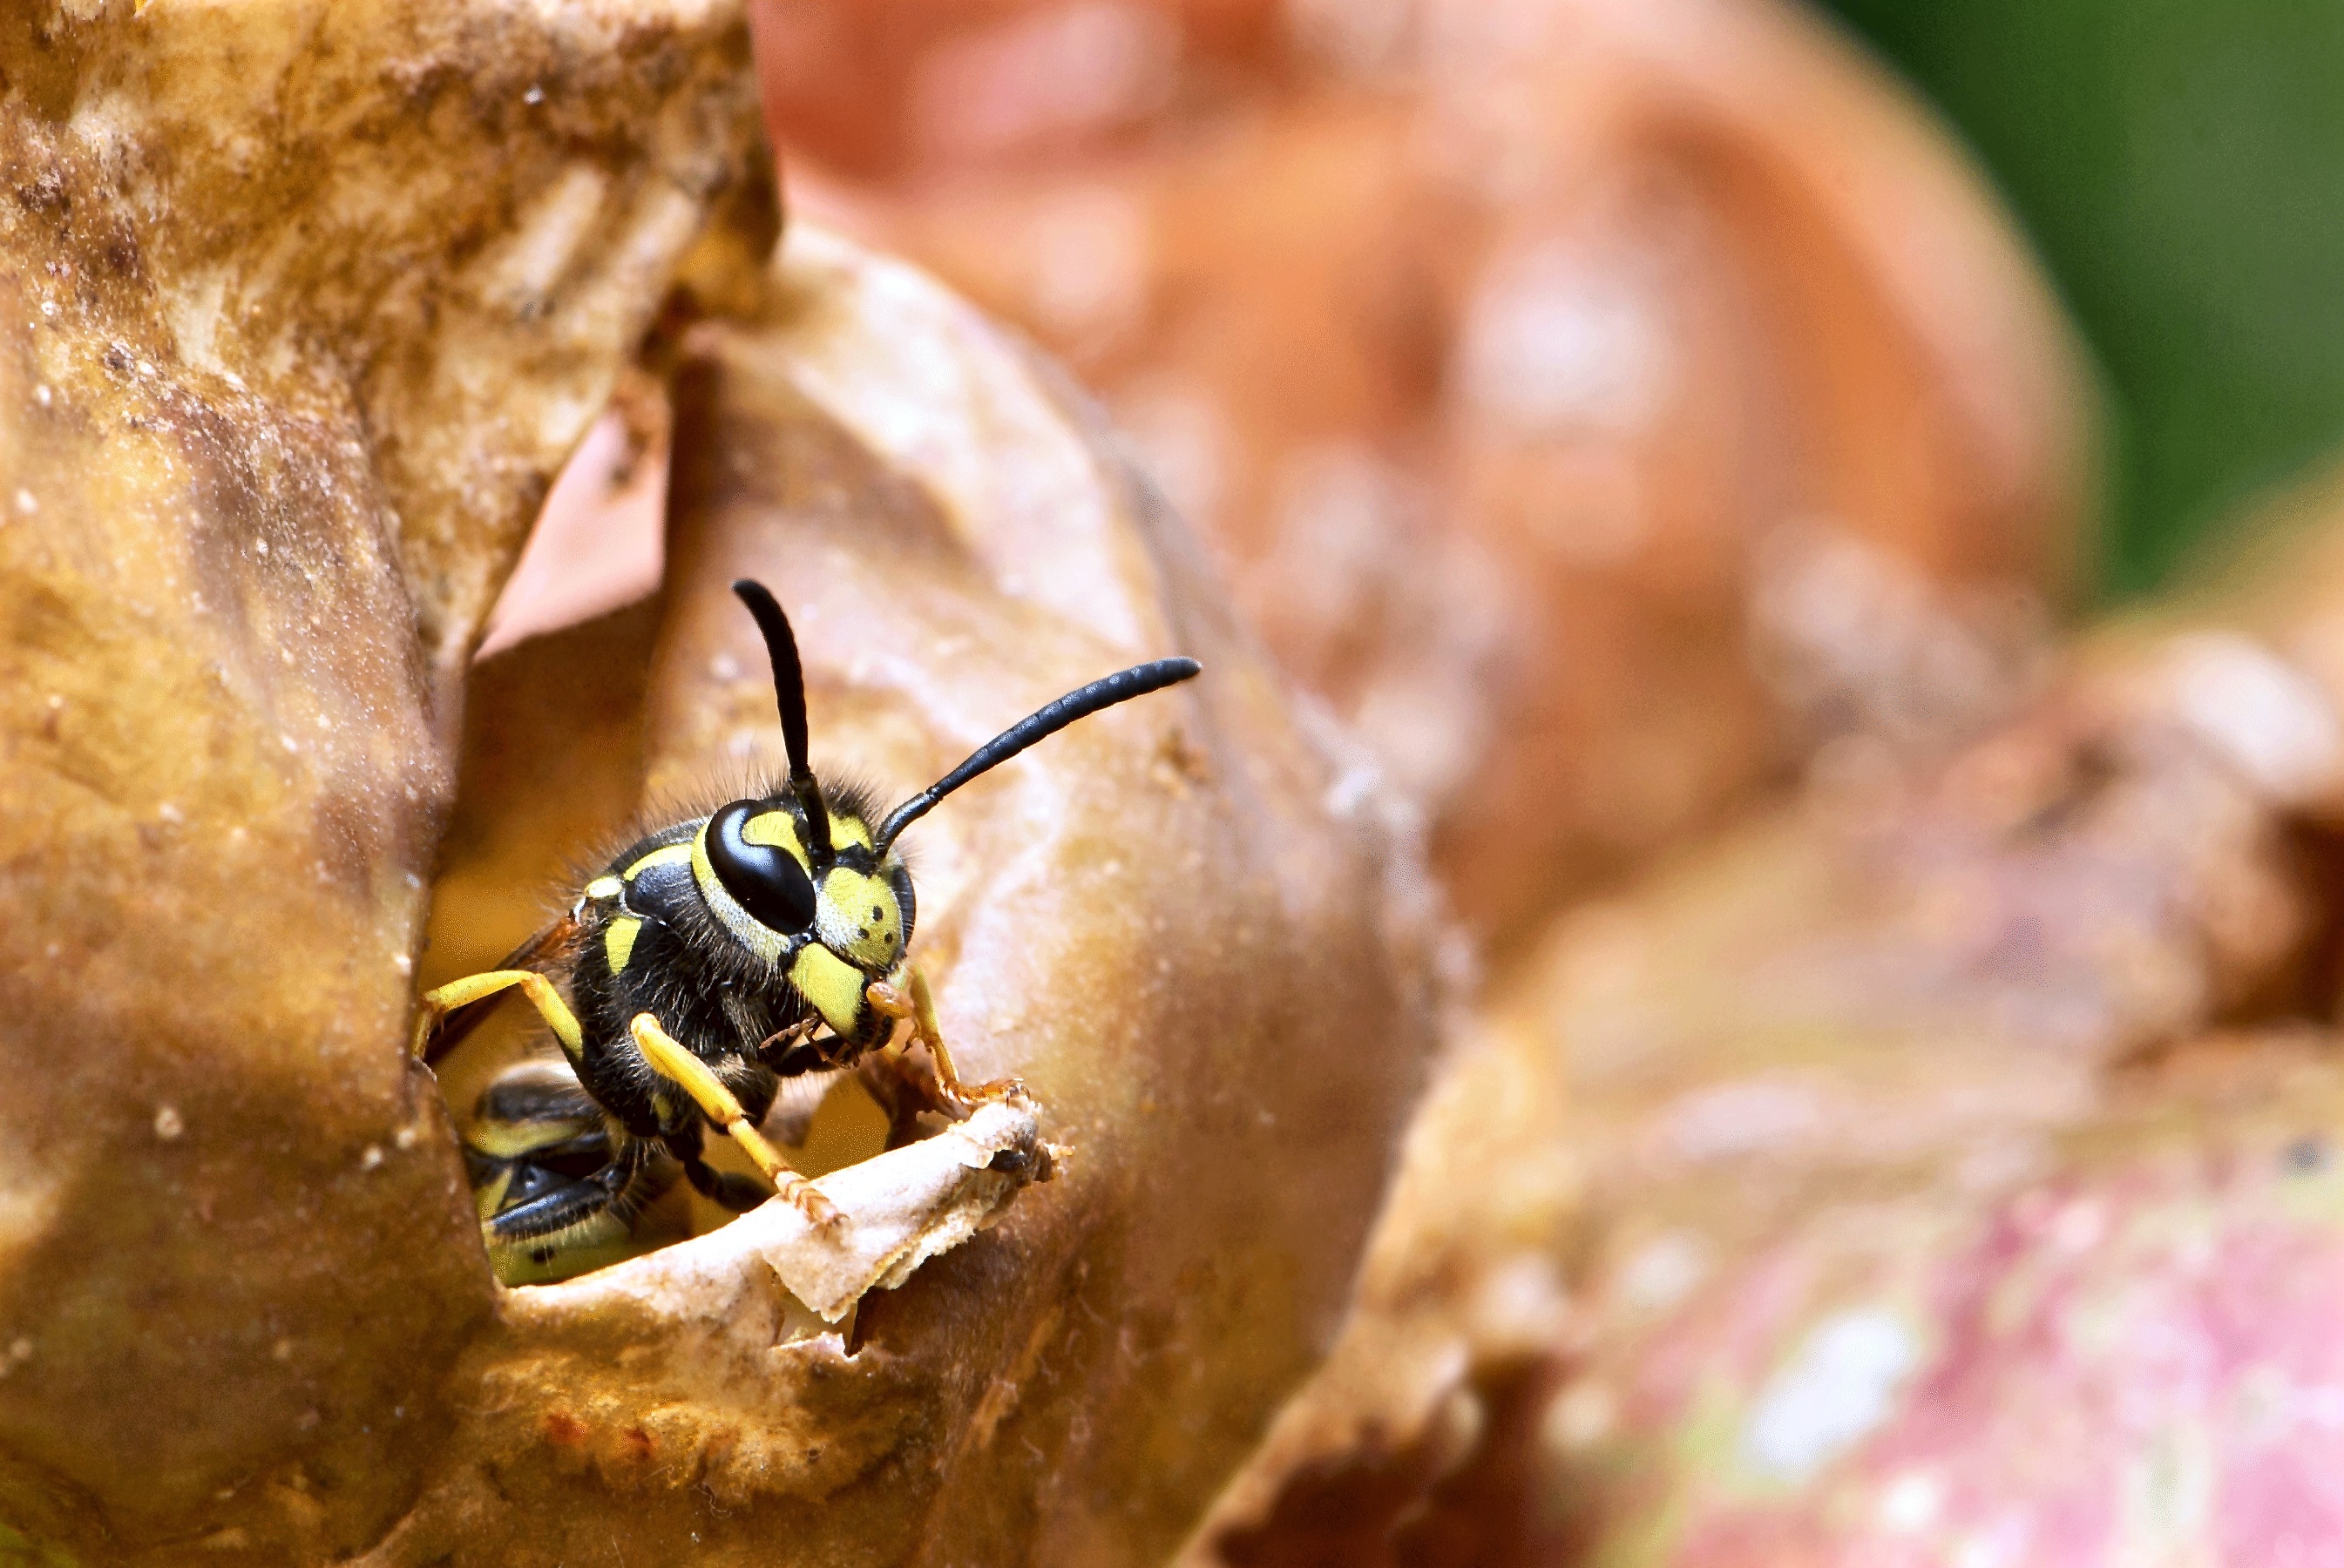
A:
<point x="2180" y="168"/>
<point x="1608" y="412"/>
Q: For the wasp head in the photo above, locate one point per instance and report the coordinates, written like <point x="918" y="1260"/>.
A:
<point x="807" y="882"/>
<point x="828" y="907"/>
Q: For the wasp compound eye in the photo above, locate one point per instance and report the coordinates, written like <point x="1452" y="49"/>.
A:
<point x="765" y="878"/>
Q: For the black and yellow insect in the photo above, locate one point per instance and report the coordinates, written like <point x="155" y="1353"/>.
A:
<point x="712" y="959"/>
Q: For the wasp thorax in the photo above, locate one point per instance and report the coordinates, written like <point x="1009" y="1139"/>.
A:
<point x="750" y="845"/>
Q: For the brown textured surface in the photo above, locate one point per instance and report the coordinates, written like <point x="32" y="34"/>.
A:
<point x="1207" y="962"/>
<point x="294" y="328"/>
<point x="1601" y="403"/>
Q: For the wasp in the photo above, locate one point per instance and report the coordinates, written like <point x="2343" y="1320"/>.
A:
<point x="710" y="961"/>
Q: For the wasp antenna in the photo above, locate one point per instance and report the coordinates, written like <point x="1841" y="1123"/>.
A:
<point x="789" y="692"/>
<point x="1081" y="703"/>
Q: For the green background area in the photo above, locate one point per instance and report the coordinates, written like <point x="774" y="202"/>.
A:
<point x="2179" y="167"/>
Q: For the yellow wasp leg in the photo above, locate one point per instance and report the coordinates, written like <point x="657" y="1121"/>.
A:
<point x="671" y="1061"/>
<point x="921" y="1009"/>
<point x="539" y="990"/>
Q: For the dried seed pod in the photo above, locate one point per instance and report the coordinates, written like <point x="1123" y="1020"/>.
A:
<point x="304" y="304"/>
<point x="1188" y="930"/>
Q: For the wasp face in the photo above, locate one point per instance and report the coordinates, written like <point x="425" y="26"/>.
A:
<point x="834" y="922"/>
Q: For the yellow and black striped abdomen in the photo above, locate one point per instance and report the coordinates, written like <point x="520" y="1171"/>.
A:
<point x="556" y="1187"/>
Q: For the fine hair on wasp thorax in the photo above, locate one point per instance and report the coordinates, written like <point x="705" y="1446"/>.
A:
<point x="709" y="960"/>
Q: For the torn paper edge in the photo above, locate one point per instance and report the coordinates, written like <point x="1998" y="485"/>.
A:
<point x="896" y="1210"/>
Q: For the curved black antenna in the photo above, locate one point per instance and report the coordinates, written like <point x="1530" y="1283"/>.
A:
<point x="1104" y="692"/>
<point x="789" y="691"/>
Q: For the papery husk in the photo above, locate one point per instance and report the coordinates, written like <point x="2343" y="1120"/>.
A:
<point x="304" y="304"/>
<point x="1191" y="933"/>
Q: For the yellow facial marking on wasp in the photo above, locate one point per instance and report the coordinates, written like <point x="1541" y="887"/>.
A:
<point x="778" y="830"/>
<point x="832" y="984"/>
<point x="857" y="916"/>
<point x="673" y="855"/>
<point x="605" y="888"/>
<point x="619" y="940"/>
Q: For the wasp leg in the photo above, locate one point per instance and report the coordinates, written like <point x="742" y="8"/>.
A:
<point x="450" y="1028"/>
<point x="898" y="1088"/>
<point x="737" y="1194"/>
<point x="959" y="1098"/>
<point x="437" y="1004"/>
<point x="716" y="1102"/>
